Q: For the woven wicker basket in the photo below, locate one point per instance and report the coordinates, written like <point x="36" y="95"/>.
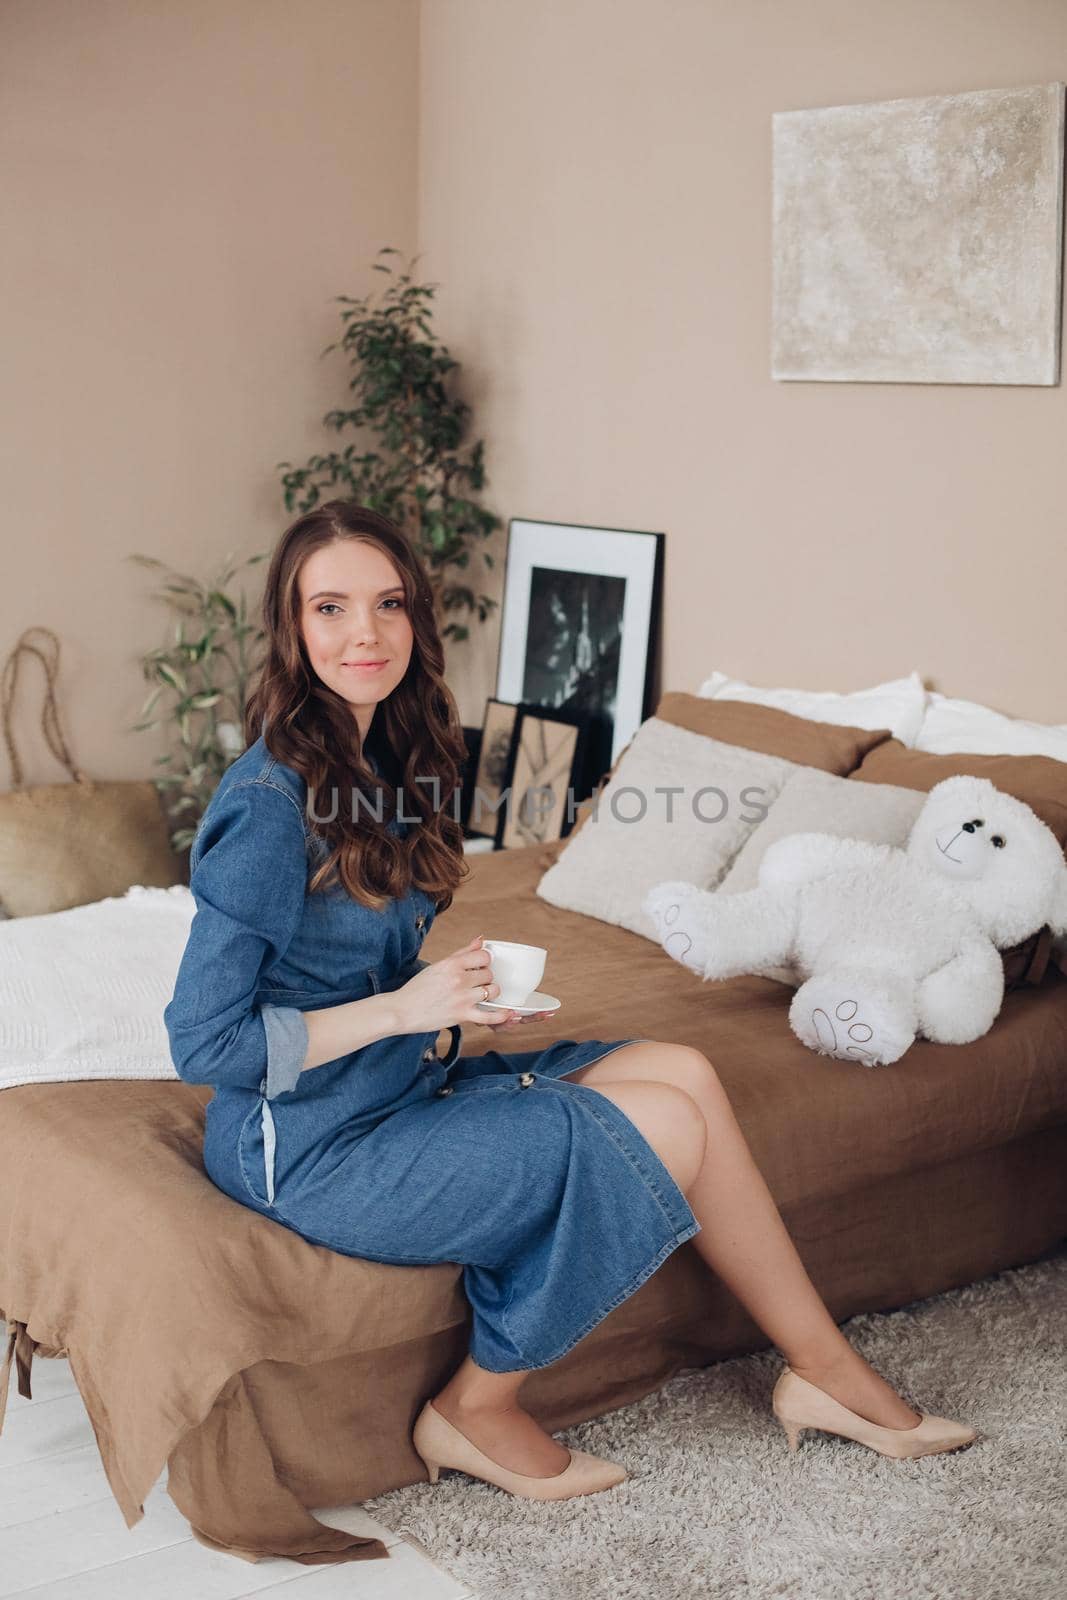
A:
<point x="67" y="844"/>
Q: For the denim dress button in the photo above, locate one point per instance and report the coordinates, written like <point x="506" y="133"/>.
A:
<point x="526" y="1079"/>
<point x="447" y="1089"/>
<point x="430" y="1054"/>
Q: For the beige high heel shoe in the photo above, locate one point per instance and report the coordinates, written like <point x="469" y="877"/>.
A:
<point x="798" y="1404"/>
<point x="440" y="1444"/>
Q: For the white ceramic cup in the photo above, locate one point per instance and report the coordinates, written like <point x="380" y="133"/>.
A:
<point x="517" y="968"/>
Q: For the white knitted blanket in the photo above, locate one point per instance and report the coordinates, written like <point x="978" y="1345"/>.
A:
<point x="82" y="992"/>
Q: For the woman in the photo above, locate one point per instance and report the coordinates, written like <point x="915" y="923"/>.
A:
<point x="320" y="864"/>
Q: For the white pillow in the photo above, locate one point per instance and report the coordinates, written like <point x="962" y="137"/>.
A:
<point x="963" y="727"/>
<point x="82" y="991"/>
<point x="898" y="705"/>
<point x="610" y="864"/>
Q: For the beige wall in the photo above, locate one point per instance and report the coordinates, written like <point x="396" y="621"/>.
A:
<point x="595" y="194"/>
<point x="187" y="184"/>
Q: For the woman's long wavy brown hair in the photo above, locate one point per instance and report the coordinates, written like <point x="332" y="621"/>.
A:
<point x="416" y="730"/>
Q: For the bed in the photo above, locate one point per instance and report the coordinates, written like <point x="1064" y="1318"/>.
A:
<point x="272" y="1375"/>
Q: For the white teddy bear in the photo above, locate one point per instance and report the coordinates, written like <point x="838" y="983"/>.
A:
<point x="889" y="943"/>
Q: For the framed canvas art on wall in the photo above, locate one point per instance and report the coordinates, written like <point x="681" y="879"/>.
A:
<point x="920" y="240"/>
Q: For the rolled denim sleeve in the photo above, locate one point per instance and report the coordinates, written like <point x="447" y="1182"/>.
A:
<point x="287" y="1047"/>
<point x="248" y="881"/>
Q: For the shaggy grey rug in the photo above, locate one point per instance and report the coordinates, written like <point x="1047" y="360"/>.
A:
<point x="718" y="1507"/>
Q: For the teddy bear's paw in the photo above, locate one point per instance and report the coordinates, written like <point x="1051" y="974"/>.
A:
<point x="673" y="910"/>
<point x="844" y="1033"/>
<point x="951" y="1012"/>
<point x="840" y="1020"/>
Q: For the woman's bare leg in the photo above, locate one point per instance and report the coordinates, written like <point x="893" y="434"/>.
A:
<point x="484" y="1405"/>
<point x="662" y="1088"/>
<point x="743" y="1237"/>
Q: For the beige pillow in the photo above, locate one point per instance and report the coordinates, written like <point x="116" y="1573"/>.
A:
<point x="816" y="802"/>
<point x="832" y="747"/>
<point x="639" y="836"/>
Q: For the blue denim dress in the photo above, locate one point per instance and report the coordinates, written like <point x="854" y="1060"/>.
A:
<point x="544" y="1191"/>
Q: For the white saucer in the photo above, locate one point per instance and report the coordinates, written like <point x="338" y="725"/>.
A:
<point x="545" y="1002"/>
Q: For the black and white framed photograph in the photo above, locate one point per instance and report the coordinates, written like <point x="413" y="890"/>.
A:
<point x="493" y="768"/>
<point x="580" y="627"/>
<point x="547" y="762"/>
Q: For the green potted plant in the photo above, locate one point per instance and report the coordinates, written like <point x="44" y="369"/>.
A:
<point x="416" y="468"/>
<point x="204" y="674"/>
<point x="422" y="475"/>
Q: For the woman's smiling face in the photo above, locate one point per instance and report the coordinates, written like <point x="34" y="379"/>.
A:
<point x="354" y="622"/>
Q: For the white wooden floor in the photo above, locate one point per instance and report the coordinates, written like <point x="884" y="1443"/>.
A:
<point x="62" y="1537"/>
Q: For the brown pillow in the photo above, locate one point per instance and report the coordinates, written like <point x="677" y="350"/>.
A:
<point x="1028" y="962"/>
<point x="824" y="745"/>
<point x="828" y="746"/>
<point x="1039" y="781"/>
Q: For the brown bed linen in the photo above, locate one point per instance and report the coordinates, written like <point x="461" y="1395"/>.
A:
<point x="275" y="1375"/>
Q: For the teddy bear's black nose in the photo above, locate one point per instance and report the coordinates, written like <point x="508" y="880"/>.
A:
<point x="969" y="827"/>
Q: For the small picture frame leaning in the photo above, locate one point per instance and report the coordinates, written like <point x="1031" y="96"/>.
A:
<point x="494" y="768"/>
<point x="548" y="758"/>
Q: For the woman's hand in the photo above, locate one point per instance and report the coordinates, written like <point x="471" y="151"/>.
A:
<point x="450" y="991"/>
<point x="510" y="1019"/>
